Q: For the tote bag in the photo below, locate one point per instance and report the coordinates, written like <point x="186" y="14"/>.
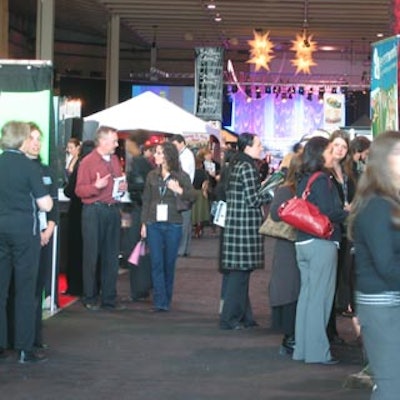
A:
<point x="277" y="229"/>
<point x="138" y="251"/>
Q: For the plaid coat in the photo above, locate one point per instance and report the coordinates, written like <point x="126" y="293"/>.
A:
<point x="243" y="246"/>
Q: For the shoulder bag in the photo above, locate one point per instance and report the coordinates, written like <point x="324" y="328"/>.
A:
<point x="277" y="229"/>
<point x="305" y="216"/>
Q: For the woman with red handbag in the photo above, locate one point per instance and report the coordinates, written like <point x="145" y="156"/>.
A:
<point x="317" y="257"/>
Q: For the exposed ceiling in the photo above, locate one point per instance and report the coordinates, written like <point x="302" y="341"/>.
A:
<point x="180" y="25"/>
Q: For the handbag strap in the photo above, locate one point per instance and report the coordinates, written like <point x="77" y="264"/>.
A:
<point x="311" y="180"/>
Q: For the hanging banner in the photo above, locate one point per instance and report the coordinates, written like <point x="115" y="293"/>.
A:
<point x="334" y="111"/>
<point x="209" y="83"/>
<point x="25" y="95"/>
<point x="384" y="85"/>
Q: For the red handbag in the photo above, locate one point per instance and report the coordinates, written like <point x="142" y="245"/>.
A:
<point x="305" y="216"/>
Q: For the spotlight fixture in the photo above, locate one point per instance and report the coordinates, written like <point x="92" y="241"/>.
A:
<point x="247" y="90"/>
<point x="343" y="90"/>
<point x="276" y="89"/>
<point x="334" y="90"/>
<point x="268" y="89"/>
<point x="218" y="18"/>
<point x="301" y="90"/>
<point x="284" y="97"/>
<point x="258" y="92"/>
<point x="321" y="92"/>
<point x="234" y="89"/>
<point x="310" y="94"/>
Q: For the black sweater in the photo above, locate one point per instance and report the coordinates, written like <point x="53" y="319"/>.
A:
<point x="377" y="248"/>
<point x="324" y="195"/>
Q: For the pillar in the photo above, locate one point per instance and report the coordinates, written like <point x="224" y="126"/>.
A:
<point x="112" y="70"/>
<point x="4" y="29"/>
<point x="45" y="30"/>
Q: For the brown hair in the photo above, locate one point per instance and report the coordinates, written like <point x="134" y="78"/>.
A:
<point x="75" y="141"/>
<point x="377" y="179"/>
<point x="292" y="173"/>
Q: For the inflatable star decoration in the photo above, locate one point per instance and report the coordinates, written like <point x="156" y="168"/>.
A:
<point x="304" y="47"/>
<point x="261" y="51"/>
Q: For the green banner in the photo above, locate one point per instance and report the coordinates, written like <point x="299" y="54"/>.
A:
<point x="28" y="107"/>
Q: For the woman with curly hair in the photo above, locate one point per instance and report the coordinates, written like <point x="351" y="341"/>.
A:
<point x="162" y="221"/>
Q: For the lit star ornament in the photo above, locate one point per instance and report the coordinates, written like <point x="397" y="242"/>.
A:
<point x="261" y="51"/>
<point x="304" y="47"/>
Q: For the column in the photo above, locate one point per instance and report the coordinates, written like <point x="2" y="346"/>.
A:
<point x="45" y="30"/>
<point x="4" y="29"/>
<point x="112" y="70"/>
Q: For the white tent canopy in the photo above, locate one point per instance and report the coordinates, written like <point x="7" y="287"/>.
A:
<point x="154" y="113"/>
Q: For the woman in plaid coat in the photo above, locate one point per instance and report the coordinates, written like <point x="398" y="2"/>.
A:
<point x="242" y="247"/>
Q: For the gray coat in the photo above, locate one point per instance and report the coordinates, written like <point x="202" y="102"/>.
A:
<point x="243" y="246"/>
<point x="284" y="285"/>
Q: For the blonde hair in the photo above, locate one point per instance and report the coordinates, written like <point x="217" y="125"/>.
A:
<point x="285" y="163"/>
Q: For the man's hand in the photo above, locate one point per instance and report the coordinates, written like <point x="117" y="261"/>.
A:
<point x="101" y="182"/>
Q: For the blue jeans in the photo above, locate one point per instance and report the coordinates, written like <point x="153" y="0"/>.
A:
<point x="163" y="239"/>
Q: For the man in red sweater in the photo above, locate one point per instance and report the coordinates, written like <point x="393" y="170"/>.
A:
<point x="100" y="185"/>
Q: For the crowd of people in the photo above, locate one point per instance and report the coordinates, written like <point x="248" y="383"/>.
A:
<point x="353" y="272"/>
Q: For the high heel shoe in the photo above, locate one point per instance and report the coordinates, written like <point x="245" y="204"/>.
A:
<point x="287" y="346"/>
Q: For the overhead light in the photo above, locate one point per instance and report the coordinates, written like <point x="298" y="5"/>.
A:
<point x="218" y="18"/>
<point x="211" y="5"/>
<point x="327" y="48"/>
<point x="380" y="34"/>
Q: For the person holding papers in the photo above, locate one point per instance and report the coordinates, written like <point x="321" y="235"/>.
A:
<point x="100" y="187"/>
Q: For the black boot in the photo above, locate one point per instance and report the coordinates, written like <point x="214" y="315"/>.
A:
<point x="287" y="346"/>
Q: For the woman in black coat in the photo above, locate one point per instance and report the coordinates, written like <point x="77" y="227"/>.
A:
<point x="74" y="239"/>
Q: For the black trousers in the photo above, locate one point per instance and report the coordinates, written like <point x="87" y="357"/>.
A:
<point x="284" y="318"/>
<point x="135" y="273"/>
<point x="19" y="259"/>
<point x="43" y="285"/>
<point x="236" y="310"/>
<point x="101" y="225"/>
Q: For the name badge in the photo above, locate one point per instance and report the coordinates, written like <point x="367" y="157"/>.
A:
<point x="47" y="180"/>
<point x="162" y="212"/>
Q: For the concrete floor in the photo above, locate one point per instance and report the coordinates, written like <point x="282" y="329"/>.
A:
<point x="180" y="355"/>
